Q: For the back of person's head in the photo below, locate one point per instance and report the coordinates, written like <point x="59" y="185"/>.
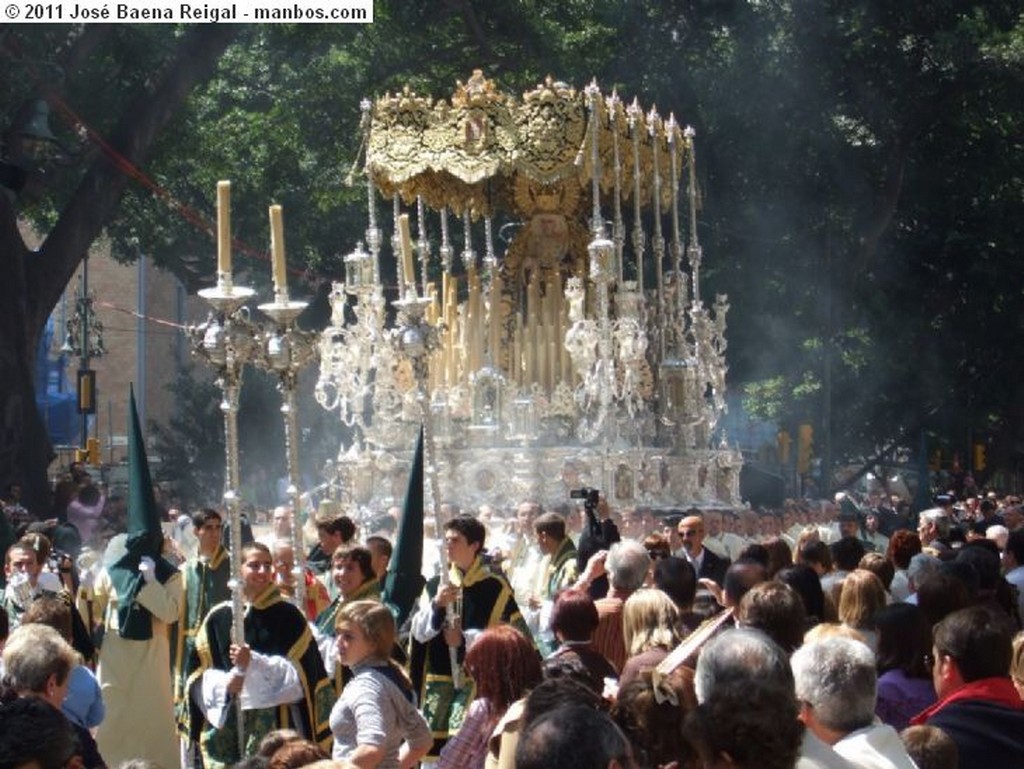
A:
<point x="780" y="555"/>
<point x="837" y="680"/>
<point x="880" y="566"/>
<point x="816" y="553"/>
<point x="747" y="726"/>
<point x="573" y="736"/>
<point x="904" y="640"/>
<point x="504" y="666"/>
<point x="979" y="639"/>
<point x="964" y="571"/>
<point x="903" y="545"/>
<point x="776" y="610"/>
<point x="805" y="581"/>
<point x="743" y="655"/>
<point x="846" y="553"/>
<point x="33" y="654"/>
<point x="941" y="594"/>
<point x="862" y="597"/>
<point x="740" y="577"/>
<point x="35" y="734"/>
<point x="983" y="555"/>
<point x="297" y="753"/>
<point x="627" y="565"/>
<point x="930" y="748"/>
<point x="652" y="720"/>
<point x="922" y="565"/>
<point x="755" y="551"/>
<point x="574" y="616"/>
<point x="678" y="579"/>
<point x="51" y="611"/>
<point x="551" y="524"/>
<point x="274" y="739"/>
<point x="379" y="544"/>
<point x="650" y="620"/>
<point x="562" y="685"/>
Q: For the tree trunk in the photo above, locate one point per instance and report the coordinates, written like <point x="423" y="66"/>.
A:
<point x="34" y="281"/>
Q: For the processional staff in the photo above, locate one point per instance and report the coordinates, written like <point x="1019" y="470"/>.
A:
<point x="227" y="341"/>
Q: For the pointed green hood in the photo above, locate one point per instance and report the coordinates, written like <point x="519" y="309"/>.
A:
<point x="404" y="580"/>
<point x="145" y="537"/>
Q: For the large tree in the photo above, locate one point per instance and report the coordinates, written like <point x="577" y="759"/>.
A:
<point x="35" y="278"/>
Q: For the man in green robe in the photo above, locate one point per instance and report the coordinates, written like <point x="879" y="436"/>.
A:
<point x="483" y="599"/>
<point x="205" y="576"/>
<point x="276" y="672"/>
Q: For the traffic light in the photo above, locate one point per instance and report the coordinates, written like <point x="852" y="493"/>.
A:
<point x="86" y="391"/>
<point x="92" y="450"/>
<point x="804" y="448"/>
<point x="980" y="458"/>
<point x="782" y="443"/>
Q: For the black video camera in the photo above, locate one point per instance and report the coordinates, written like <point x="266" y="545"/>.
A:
<point x="589" y="496"/>
<point x="596" y="535"/>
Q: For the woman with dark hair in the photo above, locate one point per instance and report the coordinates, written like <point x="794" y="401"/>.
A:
<point x="779" y="555"/>
<point x="36" y="734"/>
<point x="806" y="583"/>
<point x="651" y="720"/>
<point x="573" y="622"/>
<point x="904" y="678"/>
<point x="504" y="666"/>
<point x="903" y="545"/>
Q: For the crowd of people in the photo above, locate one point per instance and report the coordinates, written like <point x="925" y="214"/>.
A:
<point x="838" y="633"/>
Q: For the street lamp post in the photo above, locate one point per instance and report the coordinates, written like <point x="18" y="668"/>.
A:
<point x="84" y="338"/>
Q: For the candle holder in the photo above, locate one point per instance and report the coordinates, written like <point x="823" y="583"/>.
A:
<point x="227" y="341"/>
<point x="413" y="339"/>
<point x="285" y="350"/>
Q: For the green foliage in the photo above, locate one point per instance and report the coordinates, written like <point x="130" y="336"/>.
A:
<point x="860" y="166"/>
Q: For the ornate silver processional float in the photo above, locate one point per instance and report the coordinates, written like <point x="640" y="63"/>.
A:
<point x="581" y="355"/>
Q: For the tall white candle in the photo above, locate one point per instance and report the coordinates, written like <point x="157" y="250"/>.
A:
<point x="224" y="228"/>
<point x="280" y="269"/>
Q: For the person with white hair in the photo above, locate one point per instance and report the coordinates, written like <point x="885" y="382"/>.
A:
<point x="732" y="665"/>
<point x="836" y="685"/>
<point x="626" y="565"/>
<point x="933" y="528"/>
<point x="998" y="534"/>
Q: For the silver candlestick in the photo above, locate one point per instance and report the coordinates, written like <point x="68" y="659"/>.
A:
<point x="227" y="341"/>
<point x="285" y="349"/>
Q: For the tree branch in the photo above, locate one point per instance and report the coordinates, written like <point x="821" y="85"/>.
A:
<point x="96" y="199"/>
